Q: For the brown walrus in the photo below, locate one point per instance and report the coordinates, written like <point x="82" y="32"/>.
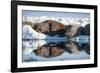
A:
<point x="74" y="30"/>
<point x="50" y="27"/>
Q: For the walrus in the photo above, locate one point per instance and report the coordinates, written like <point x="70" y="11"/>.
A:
<point x="50" y="27"/>
<point x="73" y="30"/>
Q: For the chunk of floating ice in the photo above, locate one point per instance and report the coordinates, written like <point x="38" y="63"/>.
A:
<point x="29" y="33"/>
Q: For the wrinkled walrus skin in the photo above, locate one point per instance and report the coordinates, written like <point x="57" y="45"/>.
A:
<point x="50" y="27"/>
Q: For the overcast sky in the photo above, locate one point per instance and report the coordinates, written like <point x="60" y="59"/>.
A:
<point x="55" y="14"/>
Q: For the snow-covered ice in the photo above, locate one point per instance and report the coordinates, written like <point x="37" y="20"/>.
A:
<point x="29" y="33"/>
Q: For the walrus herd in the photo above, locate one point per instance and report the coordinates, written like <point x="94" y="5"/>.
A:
<point x="52" y="28"/>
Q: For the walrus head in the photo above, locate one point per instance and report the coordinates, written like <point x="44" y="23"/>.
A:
<point x="39" y="27"/>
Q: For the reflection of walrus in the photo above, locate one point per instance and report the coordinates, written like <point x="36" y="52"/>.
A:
<point x="50" y="27"/>
<point x="49" y="51"/>
<point x="86" y="48"/>
<point x="53" y="51"/>
<point x="72" y="48"/>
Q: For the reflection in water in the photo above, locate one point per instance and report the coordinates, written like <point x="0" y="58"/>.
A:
<point x="49" y="49"/>
<point x="56" y="49"/>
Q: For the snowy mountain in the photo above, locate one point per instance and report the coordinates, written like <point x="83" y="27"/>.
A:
<point x="65" y="21"/>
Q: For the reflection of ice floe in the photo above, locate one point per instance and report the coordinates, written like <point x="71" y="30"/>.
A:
<point x="29" y="46"/>
<point x="64" y="56"/>
<point x="33" y="43"/>
<point x="81" y="39"/>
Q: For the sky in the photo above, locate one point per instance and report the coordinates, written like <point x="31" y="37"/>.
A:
<point x="55" y="14"/>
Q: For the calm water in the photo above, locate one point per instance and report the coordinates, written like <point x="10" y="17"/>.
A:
<point x="82" y="42"/>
